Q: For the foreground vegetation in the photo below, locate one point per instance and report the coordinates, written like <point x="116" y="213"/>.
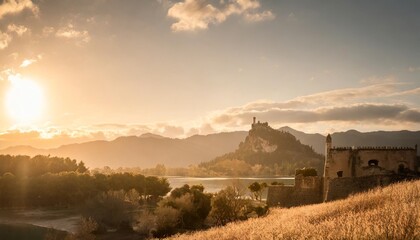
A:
<point x="384" y="213"/>
<point x="126" y="204"/>
<point x="44" y="181"/>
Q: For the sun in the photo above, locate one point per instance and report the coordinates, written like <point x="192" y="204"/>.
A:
<point x="24" y="101"/>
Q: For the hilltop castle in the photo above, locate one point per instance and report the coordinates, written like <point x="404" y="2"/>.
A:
<point x="348" y="170"/>
<point x="256" y="124"/>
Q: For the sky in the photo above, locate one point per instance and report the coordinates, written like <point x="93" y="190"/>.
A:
<point x="77" y="70"/>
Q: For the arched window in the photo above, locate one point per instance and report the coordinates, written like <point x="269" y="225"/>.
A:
<point x="373" y="162"/>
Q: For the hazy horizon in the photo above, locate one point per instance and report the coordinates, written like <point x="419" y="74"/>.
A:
<point x="76" y="71"/>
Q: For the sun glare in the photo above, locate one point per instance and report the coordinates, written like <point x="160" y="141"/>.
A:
<point x="24" y="101"/>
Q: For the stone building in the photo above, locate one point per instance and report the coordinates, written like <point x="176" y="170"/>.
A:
<point x="348" y="170"/>
<point x="354" y="162"/>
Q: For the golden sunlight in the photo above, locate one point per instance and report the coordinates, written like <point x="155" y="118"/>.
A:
<point x="24" y="100"/>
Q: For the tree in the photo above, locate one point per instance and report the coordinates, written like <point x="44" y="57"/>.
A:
<point x="109" y="209"/>
<point x="81" y="168"/>
<point x="227" y="206"/>
<point x="194" y="205"/>
<point x="257" y="189"/>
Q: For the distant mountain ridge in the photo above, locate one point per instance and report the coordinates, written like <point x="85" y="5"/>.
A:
<point x="148" y="150"/>
<point x="142" y="151"/>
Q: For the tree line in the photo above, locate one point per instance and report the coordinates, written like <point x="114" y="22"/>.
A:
<point x="120" y="201"/>
<point x="25" y="166"/>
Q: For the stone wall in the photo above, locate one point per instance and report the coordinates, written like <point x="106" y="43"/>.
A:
<point x="366" y="161"/>
<point x="307" y="190"/>
<point x="340" y="188"/>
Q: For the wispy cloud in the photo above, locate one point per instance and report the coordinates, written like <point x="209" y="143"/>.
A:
<point x="18" y="29"/>
<point x="5" y="39"/>
<point x="259" y="17"/>
<point x="17" y="6"/>
<point x="70" y="32"/>
<point x="352" y="113"/>
<point x="194" y="15"/>
<point x="343" y="105"/>
<point x="27" y="62"/>
<point x="339" y="95"/>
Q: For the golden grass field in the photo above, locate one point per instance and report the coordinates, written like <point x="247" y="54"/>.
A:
<point x="392" y="212"/>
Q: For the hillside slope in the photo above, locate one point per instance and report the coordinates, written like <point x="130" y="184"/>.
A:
<point x="266" y="151"/>
<point x="385" y="213"/>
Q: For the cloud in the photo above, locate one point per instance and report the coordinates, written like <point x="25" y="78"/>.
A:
<point x="343" y="105"/>
<point x="376" y="90"/>
<point x="170" y="131"/>
<point x="194" y="15"/>
<point x="327" y="97"/>
<point x="18" y="29"/>
<point x="259" y="17"/>
<point x="27" y="62"/>
<point x="47" y="138"/>
<point x="17" y="6"/>
<point x="47" y="31"/>
<point x="5" y="40"/>
<point x="69" y="32"/>
<point x="353" y="113"/>
<point x="6" y="37"/>
<point x="415" y="91"/>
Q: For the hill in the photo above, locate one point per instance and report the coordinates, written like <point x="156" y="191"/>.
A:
<point x="384" y="213"/>
<point x="142" y="151"/>
<point x="266" y="151"/>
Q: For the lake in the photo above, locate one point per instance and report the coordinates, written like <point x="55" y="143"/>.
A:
<point x="215" y="184"/>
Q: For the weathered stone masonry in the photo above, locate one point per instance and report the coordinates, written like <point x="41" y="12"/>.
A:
<point x="348" y="170"/>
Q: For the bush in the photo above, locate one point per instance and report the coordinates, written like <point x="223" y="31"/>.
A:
<point x="228" y="206"/>
<point x="109" y="210"/>
<point x="146" y="224"/>
<point x="190" y="206"/>
<point x="306" y="172"/>
<point x="85" y="230"/>
<point x="167" y="220"/>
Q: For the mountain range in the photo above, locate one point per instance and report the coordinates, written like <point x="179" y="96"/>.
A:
<point x="148" y="150"/>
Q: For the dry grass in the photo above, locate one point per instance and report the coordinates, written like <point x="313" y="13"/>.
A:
<point x="388" y="213"/>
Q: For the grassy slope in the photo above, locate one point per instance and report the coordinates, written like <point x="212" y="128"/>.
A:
<point x="388" y="213"/>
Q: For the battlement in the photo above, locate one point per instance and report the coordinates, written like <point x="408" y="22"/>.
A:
<point x="389" y="148"/>
<point x="256" y="124"/>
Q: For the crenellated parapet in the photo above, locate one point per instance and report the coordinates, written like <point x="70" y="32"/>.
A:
<point x="373" y="148"/>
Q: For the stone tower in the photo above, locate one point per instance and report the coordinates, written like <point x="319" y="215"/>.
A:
<point x="328" y="146"/>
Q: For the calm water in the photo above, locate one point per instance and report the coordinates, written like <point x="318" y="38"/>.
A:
<point x="214" y="184"/>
